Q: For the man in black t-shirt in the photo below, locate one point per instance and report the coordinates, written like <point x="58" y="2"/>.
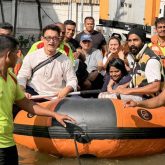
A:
<point x="97" y="37"/>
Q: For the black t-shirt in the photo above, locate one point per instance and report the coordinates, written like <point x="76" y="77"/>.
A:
<point x="74" y="44"/>
<point x="98" y="39"/>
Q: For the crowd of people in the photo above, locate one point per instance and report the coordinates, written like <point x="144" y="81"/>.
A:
<point x="131" y="70"/>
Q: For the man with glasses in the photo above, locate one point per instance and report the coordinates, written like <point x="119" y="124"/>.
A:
<point x="54" y="78"/>
<point x="63" y="47"/>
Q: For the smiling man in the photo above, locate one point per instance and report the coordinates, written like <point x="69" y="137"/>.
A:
<point x="56" y="77"/>
<point x="158" y="41"/>
<point x="147" y="77"/>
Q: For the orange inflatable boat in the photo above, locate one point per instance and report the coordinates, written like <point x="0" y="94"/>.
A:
<point x="104" y="129"/>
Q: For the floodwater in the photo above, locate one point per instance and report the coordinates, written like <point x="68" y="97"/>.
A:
<point x="29" y="157"/>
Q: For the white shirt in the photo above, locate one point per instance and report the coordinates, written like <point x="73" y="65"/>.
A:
<point x="152" y="70"/>
<point x="50" y="78"/>
<point x="92" y="59"/>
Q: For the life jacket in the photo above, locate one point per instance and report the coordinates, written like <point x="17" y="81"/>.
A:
<point x="157" y="49"/>
<point x="139" y="78"/>
<point x="19" y="62"/>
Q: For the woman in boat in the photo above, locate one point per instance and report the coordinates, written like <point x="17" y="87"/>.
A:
<point x="116" y="50"/>
<point x="118" y="75"/>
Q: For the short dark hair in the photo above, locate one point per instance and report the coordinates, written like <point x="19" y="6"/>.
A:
<point x="119" y="64"/>
<point x="51" y="27"/>
<point x="69" y="22"/>
<point x="6" y="25"/>
<point x="159" y="20"/>
<point x="8" y="42"/>
<point x="89" y="17"/>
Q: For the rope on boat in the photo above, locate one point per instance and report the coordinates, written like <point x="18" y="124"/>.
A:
<point x="76" y="149"/>
<point x="54" y="96"/>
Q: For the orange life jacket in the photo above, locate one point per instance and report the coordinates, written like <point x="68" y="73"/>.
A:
<point x="19" y="62"/>
<point x="156" y="48"/>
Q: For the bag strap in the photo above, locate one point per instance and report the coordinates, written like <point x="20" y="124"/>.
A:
<point x="43" y="63"/>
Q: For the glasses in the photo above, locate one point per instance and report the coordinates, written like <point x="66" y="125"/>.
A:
<point x="48" y="38"/>
<point x="86" y="41"/>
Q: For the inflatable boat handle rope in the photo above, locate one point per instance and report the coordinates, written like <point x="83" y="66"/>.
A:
<point x="76" y="149"/>
<point x="86" y="92"/>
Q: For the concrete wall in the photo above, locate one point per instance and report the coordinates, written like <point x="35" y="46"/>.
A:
<point x="27" y="20"/>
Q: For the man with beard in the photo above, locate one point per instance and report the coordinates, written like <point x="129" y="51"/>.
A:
<point x="147" y="75"/>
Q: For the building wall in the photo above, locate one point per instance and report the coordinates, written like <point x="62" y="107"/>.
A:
<point x="27" y="19"/>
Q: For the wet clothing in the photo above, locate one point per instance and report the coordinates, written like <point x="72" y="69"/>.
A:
<point x="9" y="93"/>
<point x="98" y="39"/>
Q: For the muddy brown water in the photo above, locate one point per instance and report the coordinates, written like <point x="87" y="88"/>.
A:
<point x="30" y="157"/>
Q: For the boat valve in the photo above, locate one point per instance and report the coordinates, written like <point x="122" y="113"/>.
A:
<point x="81" y="137"/>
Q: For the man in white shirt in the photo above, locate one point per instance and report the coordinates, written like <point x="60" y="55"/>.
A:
<point x="55" y="78"/>
<point x="147" y="77"/>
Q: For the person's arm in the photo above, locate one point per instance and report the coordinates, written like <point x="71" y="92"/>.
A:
<point x="65" y="91"/>
<point x="153" y="75"/>
<point x="34" y="108"/>
<point x="110" y="85"/>
<point x="155" y="102"/>
<point x="70" y="79"/>
<point x="148" y="89"/>
<point x="99" y="59"/>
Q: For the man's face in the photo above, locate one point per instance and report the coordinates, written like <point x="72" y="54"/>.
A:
<point x="62" y="29"/>
<point x="5" y="32"/>
<point x="86" y="45"/>
<point x="12" y="58"/>
<point x="89" y="25"/>
<point x="51" y="41"/>
<point x="135" y="44"/>
<point x="70" y="30"/>
<point x="161" y="29"/>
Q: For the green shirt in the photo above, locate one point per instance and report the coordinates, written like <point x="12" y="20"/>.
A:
<point x="9" y="92"/>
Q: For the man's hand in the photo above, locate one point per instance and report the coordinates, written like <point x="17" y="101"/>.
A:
<point x="130" y="103"/>
<point x="28" y="95"/>
<point x="62" y="118"/>
<point x="64" y="92"/>
<point x="93" y="75"/>
<point x="122" y="90"/>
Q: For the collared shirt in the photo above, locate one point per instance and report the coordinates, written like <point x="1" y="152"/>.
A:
<point x="50" y="78"/>
<point x="92" y="59"/>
